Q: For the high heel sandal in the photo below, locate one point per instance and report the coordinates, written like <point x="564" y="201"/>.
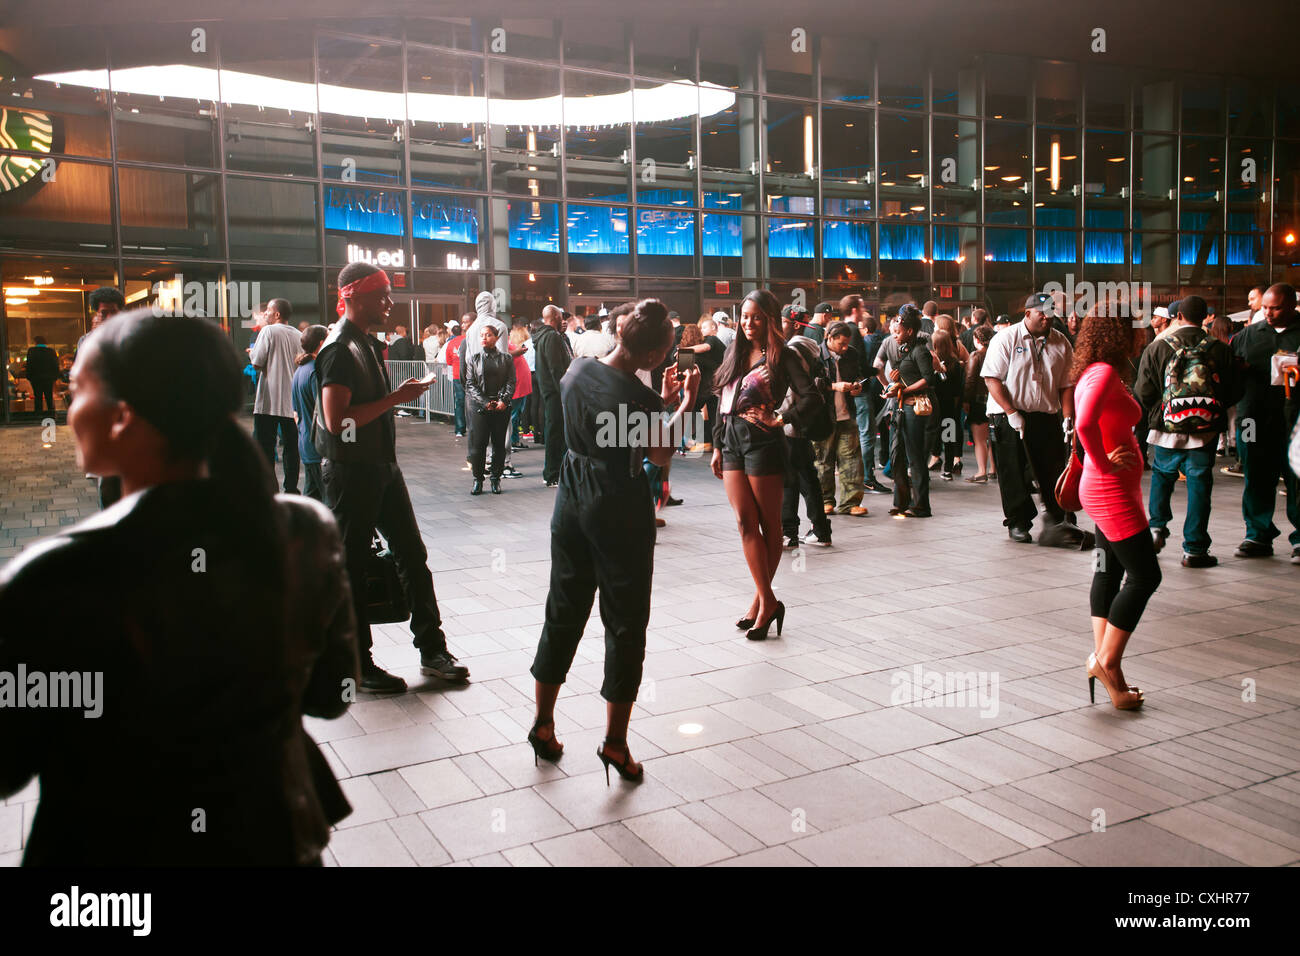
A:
<point x="1129" y="699"/>
<point x="620" y="765"/>
<point x="760" y="633"/>
<point x="548" y="749"/>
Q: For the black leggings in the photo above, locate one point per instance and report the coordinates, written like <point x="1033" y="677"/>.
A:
<point x="1123" y="606"/>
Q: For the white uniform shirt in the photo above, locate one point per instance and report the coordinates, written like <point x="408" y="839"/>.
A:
<point x="1034" y="370"/>
<point x="725" y="334"/>
<point x="274" y="352"/>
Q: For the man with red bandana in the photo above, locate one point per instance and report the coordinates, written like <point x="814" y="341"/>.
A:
<point x="364" y="487"/>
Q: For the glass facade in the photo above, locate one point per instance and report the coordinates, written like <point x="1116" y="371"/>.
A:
<point x="586" y="162"/>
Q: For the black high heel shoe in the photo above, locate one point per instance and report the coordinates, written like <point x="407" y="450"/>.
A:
<point x="760" y="633"/>
<point x="620" y="765"/>
<point x="745" y="623"/>
<point x="548" y="749"/>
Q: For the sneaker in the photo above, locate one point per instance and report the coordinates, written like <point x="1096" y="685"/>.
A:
<point x="512" y="472"/>
<point x="1199" y="560"/>
<point x="876" y="488"/>
<point x="1234" y="470"/>
<point x="442" y="664"/>
<point x="519" y="447"/>
<point x="376" y="680"/>
<point x="551" y="484"/>
<point x="812" y="538"/>
<point x="1295" y="556"/>
<point x="946" y="476"/>
<point x="1158" y="538"/>
<point x="1253" y="549"/>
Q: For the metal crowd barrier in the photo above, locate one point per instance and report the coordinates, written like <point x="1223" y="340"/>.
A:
<point x="438" y="400"/>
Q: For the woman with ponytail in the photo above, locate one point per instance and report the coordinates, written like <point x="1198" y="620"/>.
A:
<point x="210" y="615"/>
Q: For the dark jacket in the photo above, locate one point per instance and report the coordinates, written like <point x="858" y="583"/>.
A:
<point x="42" y="364"/>
<point x="202" y="692"/>
<point x="553" y="358"/>
<point x="1149" y="385"/>
<point x="489" y="376"/>
<point x="401" y="350"/>
<point x="789" y="376"/>
<point x="351" y="357"/>
<point x="844" y="368"/>
<point x="1266" y="403"/>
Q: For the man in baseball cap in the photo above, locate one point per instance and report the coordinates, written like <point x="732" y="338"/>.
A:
<point x="725" y="333"/>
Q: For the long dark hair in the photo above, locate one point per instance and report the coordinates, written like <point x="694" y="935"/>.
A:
<point x="738" y="352"/>
<point x="183" y="376"/>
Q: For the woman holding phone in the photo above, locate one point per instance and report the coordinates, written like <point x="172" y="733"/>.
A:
<point x="749" y="449"/>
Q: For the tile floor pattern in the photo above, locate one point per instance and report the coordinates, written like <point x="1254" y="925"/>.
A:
<point x="790" y="752"/>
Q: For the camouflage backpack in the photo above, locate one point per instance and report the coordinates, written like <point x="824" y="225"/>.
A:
<point x="1189" y="405"/>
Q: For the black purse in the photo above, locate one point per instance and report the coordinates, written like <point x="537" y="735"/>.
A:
<point x="386" y="600"/>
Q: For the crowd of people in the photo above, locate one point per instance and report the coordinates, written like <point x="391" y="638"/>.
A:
<point x="223" y="612"/>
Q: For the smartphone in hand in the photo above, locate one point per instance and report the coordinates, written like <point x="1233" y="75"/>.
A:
<point x="430" y="378"/>
<point x="685" y="361"/>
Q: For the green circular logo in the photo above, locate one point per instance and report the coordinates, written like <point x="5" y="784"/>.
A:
<point x="25" y="130"/>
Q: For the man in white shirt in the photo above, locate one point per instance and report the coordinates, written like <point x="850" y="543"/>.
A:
<point x="1255" y="299"/>
<point x="593" y="343"/>
<point x="274" y="356"/>
<point x="1027" y="370"/>
<point x="725" y="333"/>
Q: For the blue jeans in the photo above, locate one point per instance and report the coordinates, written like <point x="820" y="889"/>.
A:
<point x="516" y="413"/>
<point x="458" y="405"/>
<point x="867" y="437"/>
<point x="1198" y="465"/>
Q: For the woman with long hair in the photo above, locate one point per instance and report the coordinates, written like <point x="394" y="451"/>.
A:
<point x="749" y="448"/>
<point x="950" y="387"/>
<point x="1126" y="571"/>
<point x="603" y="529"/>
<point x="976" y="402"/>
<point x="211" y="613"/>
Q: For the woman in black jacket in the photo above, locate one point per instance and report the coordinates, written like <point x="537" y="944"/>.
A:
<point x="489" y="376"/>
<point x="749" y="448"/>
<point x="209" y="616"/>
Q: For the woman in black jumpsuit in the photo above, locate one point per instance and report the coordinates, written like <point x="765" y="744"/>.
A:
<point x="603" y="526"/>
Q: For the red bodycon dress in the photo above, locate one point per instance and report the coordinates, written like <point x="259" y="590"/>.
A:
<point x="1104" y="416"/>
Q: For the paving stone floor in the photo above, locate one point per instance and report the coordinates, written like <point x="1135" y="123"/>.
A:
<point x="797" y="751"/>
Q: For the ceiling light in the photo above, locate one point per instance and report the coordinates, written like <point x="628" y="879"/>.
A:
<point x="1115" y="159"/>
<point x="991" y="168"/>
<point x="15" y="301"/>
<point x="1010" y="179"/>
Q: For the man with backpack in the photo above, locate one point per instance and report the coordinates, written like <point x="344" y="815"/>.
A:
<point x="840" y="452"/>
<point x="1186" y="380"/>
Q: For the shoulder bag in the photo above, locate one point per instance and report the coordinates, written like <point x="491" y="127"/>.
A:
<point x="1067" y="486"/>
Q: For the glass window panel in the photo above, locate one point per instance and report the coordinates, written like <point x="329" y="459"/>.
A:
<point x="1105" y="255"/>
<point x="194" y="290"/>
<point x="786" y="71"/>
<point x="1203" y="98"/>
<point x="1201" y="185"/>
<point x="1057" y="179"/>
<point x="1288" y="109"/>
<point x="1245" y="255"/>
<point x="903" y="164"/>
<point x="533" y="236"/>
<point x="60" y="313"/>
<point x="1200" y="258"/>
<point x="1286" y="187"/>
<point x="71" y="212"/>
<point x="1155" y="102"/>
<point x="457" y="32"/>
<point x="272" y="221"/>
<point x="43" y="116"/>
<point x="665" y="149"/>
<point x="1250" y="107"/>
<point x="903" y="81"/>
<point x="789" y="238"/>
<point x="957" y="257"/>
<point x="955" y="171"/>
<point x="1006" y="257"/>
<point x="598" y="155"/>
<point x="729" y="154"/>
<point x="847" y="70"/>
<point x="1106" y="170"/>
<point x="847" y="249"/>
<point x="301" y="287"/>
<point x="662" y="49"/>
<point x="598" y="240"/>
<point x="447" y="232"/>
<point x="1154" y="181"/>
<point x="729" y="244"/>
<point x="166" y="213"/>
<point x="365" y="224"/>
<point x="524" y="136"/>
<point x="680" y="296"/>
<point x="1006" y="87"/>
<point x="1055" y="247"/>
<point x="1155" y="257"/>
<point x="665" y="242"/>
<point x="596" y="43"/>
<point x="1006" y="173"/>
<point x="1247" y="170"/>
<point x="729" y="57"/>
<point x="447" y="106"/>
<point x="791" y="156"/>
<point x="1058" y="93"/>
<point x="530" y="39"/>
<point x="847" y="162"/>
<point x="956" y="80"/>
<point x="266" y="134"/>
<point x="164" y="115"/>
<point x="1107" y="91"/>
<point x="363" y="111"/>
<point x="589" y="295"/>
<point x="903" y="255"/>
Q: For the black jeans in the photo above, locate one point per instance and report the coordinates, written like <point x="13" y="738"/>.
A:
<point x="602" y="539"/>
<point x="801" y="480"/>
<point x="556" y="443"/>
<point x="43" y="390"/>
<point x="909" y="461"/>
<point x="370" y="496"/>
<point x="1123" y="605"/>
<point x="485" y="426"/>
<point x="313" y="486"/>
<point x="1039" y="457"/>
<point x="265" y="428"/>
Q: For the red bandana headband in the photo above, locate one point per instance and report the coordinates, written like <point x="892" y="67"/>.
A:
<point x="376" y="280"/>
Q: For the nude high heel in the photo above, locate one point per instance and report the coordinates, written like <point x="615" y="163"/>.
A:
<point x="1120" y="699"/>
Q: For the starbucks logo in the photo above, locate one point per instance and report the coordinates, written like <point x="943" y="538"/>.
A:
<point x="26" y="130"/>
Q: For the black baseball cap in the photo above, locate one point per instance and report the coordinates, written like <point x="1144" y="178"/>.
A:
<point x="826" y="307"/>
<point x="1042" y="302"/>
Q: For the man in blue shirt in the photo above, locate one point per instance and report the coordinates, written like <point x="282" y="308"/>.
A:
<point x="305" y="389"/>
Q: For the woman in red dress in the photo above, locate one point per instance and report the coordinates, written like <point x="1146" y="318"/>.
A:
<point x="1126" y="572"/>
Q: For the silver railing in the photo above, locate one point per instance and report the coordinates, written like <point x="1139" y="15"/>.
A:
<point x="438" y="401"/>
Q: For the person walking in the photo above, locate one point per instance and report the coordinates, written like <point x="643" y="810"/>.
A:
<point x="1187" y="381"/>
<point x="553" y="358"/>
<point x="489" y="376"/>
<point x="976" y="405"/>
<point x="1031" y="403"/>
<point x="910" y="384"/>
<point x="1126" y="571"/>
<point x="603" y="530"/>
<point x="211" y="613"/>
<point x="356" y="436"/>
<point x="749" y="449"/>
<point x="274" y="355"/>
<point x="306" y="388"/>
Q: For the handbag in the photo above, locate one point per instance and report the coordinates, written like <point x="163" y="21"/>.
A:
<point x="1067" y="486"/>
<point x="923" y="406"/>
<point x="386" y="600"/>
